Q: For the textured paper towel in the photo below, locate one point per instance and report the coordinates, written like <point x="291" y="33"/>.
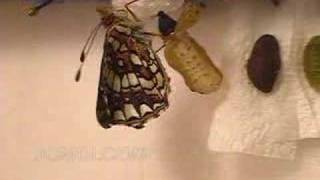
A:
<point x="307" y="27"/>
<point x="247" y="120"/>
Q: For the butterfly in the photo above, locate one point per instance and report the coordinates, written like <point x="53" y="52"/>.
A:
<point x="133" y="86"/>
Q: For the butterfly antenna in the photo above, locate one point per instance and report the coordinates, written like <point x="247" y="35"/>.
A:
<point x="86" y="49"/>
<point x="34" y="10"/>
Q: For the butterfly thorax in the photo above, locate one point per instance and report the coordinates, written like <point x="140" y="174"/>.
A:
<point x="111" y="17"/>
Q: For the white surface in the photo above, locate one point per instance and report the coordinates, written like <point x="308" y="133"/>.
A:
<point x="48" y="128"/>
<point x="247" y="120"/>
<point x="252" y="122"/>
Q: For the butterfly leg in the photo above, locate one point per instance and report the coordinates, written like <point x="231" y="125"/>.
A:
<point x="160" y="48"/>
<point x="135" y="17"/>
<point x="156" y="35"/>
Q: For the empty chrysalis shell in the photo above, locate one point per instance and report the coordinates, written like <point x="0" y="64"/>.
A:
<point x="186" y="56"/>
<point x="264" y="63"/>
<point x="312" y="62"/>
<point x="189" y="16"/>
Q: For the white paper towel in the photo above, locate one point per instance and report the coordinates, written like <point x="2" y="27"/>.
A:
<point x="252" y="122"/>
<point x="307" y="27"/>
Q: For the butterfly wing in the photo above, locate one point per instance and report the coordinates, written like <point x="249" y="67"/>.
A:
<point x="133" y="86"/>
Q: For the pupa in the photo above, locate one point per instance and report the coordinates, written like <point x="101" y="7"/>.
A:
<point x="312" y="62"/>
<point x="264" y="63"/>
<point x="184" y="54"/>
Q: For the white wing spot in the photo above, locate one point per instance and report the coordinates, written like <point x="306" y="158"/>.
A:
<point x="157" y="105"/>
<point x="153" y="68"/>
<point x="110" y="78"/>
<point x="125" y="81"/>
<point x="144" y="109"/>
<point x="135" y="59"/>
<point x="105" y="99"/>
<point x="120" y="62"/>
<point x="118" y="115"/>
<point x="151" y="53"/>
<point x="130" y="111"/>
<point x="110" y="39"/>
<point x="125" y="90"/>
<point x="133" y="79"/>
<point x="159" y="78"/>
<point x="115" y="45"/>
<point x="145" y="83"/>
<point x="163" y="92"/>
<point x="154" y="91"/>
<point x="116" y="83"/>
<point x="123" y="48"/>
<point x="108" y="112"/>
<point x="145" y="63"/>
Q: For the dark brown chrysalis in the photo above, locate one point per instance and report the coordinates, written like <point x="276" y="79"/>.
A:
<point x="276" y="2"/>
<point x="264" y="63"/>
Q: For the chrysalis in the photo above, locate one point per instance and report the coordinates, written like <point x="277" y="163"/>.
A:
<point x="312" y="62"/>
<point x="276" y="2"/>
<point x="133" y="86"/>
<point x="185" y="55"/>
<point x="264" y="63"/>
